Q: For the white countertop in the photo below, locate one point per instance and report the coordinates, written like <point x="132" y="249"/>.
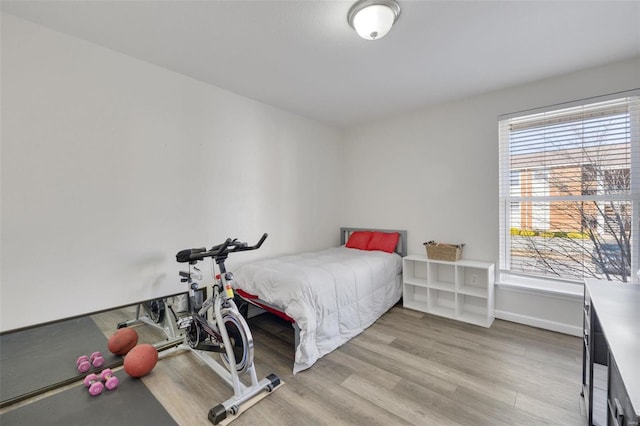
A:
<point x="617" y="306"/>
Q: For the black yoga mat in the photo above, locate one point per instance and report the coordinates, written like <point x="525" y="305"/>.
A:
<point x="130" y="403"/>
<point x="44" y="356"/>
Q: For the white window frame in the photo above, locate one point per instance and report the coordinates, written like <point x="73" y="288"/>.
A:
<point x="506" y="196"/>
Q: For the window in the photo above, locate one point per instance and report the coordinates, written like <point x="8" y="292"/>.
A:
<point x="570" y="190"/>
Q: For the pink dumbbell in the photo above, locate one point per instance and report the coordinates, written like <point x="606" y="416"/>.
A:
<point x="94" y="384"/>
<point x="110" y="381"/>
<point x="97" y="360"/>
<point x="84" y="363"/>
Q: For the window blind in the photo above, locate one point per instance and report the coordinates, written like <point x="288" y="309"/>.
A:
<point x="569" y="190"/>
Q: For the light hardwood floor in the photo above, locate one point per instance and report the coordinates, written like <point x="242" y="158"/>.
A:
<point x="407" y="368"/>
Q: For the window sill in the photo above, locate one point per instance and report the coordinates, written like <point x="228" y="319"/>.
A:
<point x="538" y="286"/>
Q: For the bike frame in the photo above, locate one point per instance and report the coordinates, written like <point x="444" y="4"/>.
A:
<point x="224" y="307"/>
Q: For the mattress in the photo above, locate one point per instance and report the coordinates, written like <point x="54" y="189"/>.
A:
<point x="332" y="295"/>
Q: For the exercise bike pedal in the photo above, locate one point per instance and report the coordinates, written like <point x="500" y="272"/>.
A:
<point x="185" y="322"/>
<point x="209" y="347"/>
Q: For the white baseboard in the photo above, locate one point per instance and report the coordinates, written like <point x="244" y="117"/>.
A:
<point x="539" y="323"/>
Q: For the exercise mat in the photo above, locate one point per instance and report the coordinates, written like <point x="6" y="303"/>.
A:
<point x="131" y="403"/>
<point x="37" y="359"/>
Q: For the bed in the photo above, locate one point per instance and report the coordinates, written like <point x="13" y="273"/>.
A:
<point x="331" y="295"/>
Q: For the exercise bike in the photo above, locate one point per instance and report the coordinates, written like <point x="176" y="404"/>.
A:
<point x="227" y="333"/>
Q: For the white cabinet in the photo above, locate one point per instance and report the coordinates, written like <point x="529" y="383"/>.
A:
<point x="461" y="290"/>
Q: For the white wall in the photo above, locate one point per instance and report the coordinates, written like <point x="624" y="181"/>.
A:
<point x="110" y="165"/>
<point x="435" y="173"/>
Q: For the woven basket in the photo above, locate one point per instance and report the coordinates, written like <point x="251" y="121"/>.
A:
<point x="442" y="251"/>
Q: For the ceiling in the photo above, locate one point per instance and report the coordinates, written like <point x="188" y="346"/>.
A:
<point x="303" y="57"/>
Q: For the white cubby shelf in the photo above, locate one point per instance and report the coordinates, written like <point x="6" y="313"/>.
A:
<point x="461" y="290"/>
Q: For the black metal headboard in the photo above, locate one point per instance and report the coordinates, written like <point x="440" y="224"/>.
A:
<point x="401" y="248"/>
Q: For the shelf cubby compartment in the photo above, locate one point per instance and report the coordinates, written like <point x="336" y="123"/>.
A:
<point x="442" y="302"/>
<point x="414" y="273"/>
<point x="415" y="297"/>
<point x="473" y="309"/>
<point x="441" y="276"/>
<point x="473" y="280"/>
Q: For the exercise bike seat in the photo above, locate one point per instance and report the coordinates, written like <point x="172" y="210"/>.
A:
<point x="184" y="256"/>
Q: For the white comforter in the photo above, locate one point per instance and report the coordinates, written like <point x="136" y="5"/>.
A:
<point x="333" y="294"/>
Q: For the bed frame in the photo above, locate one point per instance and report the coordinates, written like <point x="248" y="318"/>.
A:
<point x="401" y="249"/>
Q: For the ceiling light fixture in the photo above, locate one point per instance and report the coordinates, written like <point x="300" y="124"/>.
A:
<point x="372" y="19"/>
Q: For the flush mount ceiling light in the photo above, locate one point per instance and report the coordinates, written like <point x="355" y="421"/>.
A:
<point x="372" y="19"/>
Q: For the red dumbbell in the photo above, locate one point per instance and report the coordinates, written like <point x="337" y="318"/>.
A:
<point x="84" y="363"/>
<point x="110" y="381"/>
<point x="94" y="384"/>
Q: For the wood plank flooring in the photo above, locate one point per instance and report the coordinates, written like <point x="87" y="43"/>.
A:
<point x="409" y="368"/>
<point x="414" y="368"/>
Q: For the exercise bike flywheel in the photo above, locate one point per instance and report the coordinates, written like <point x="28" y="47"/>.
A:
<point x="193" y="335"/>
<point x="241" y="341"/>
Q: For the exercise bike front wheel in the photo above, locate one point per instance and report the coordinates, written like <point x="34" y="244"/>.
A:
<point x="241" y="342"/>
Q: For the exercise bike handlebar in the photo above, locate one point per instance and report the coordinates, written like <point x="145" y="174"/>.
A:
<point x="228" y="246"/>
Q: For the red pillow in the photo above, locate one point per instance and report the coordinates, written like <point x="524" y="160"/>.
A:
<point x="384" y="241"/>
<point x="359" y="240"/>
